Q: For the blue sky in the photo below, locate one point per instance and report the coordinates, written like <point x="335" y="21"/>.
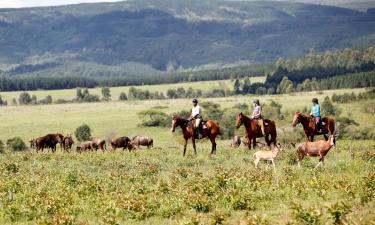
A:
<point x="32" y="3"/>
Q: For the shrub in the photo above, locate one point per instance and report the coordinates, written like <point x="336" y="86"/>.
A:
<point x="83" y="133"/>
<point x="152" y="118"/>
<point x="16" y="144"/>
<point x="3" y="102"/>
<point x="24" y="98"/>
<point x="306" y="216"/>
<point x="106" y="94"/>
<point x="329" y="109"/>
<point x="2" y="147"/>
<point x="337" y="211"/>
<point x="123" y="97"/>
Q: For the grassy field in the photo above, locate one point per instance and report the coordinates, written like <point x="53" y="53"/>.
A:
<point x="69" y="94"/>
<point x="159" y="186"/>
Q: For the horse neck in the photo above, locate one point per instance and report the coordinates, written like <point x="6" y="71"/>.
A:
<point x="183" y="124"/>
<point x="305" y="121"/>
<point x="246" y="121"/>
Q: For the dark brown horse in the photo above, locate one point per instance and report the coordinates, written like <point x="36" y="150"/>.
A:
<point x="309" y="126"/>
<point x="252" y="130"/>
<point x="211" y="131"/>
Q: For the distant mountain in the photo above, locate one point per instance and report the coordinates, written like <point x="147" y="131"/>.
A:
<point x="147" y="37"/>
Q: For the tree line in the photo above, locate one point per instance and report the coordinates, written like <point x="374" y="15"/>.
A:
<point x="67" y="82"/>
<point x="323" y="65"/>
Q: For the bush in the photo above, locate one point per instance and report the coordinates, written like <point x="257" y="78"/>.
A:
<point x="24" y="98"/>
<point x="123" y="97"/>
<point x="83" y="133"/>
<point x="3" y="102"/>
<point x="153" y="118"/>
<point x="328" y="109"/>
<point x="16" y="144"/>
<point x="106" y="93"/>
<point x="2" y="147"/>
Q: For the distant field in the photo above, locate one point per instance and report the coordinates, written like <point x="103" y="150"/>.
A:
<point x="116" y="117"/>
<point x="69" y="94"/>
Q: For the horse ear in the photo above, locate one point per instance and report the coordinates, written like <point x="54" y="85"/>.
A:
<point x="241" y="113"/>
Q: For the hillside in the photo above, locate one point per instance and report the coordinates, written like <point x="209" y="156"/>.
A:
<point x="147" y="37"/>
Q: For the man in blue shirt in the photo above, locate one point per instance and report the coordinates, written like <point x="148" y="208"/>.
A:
<point x="315" y="112"/>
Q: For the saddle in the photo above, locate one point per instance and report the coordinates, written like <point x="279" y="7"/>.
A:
<point x="266" y="122"/>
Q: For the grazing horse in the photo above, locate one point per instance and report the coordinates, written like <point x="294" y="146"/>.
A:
<point x="309" y="126"/>
<point x="253" y="130"/>
<point x="187" y="127"/>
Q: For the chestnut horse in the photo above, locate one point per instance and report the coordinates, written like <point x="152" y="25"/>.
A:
<point x="253" y="130"/>
<point x="187" y="127"/>
<point x="309" y="126"/>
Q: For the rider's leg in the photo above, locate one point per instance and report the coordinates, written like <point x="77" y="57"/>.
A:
<point x="197" y="126"/>
<point x="261" y="124"/>
<point x="317" y="121"/>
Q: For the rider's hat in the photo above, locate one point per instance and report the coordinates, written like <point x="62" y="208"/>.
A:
<point x="315" y="100"/>
<point x="195" y="100"/>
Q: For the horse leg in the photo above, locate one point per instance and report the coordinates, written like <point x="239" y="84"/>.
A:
<point x="193" y="142"/>
<point x="185" y="143"/>
<point x="312" y="138"/>
<point x="213" y="150"/>
<point x="254" y="142"/>
<point x="266" y="137"/>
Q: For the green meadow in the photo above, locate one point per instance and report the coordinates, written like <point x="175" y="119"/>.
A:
<point x="159" y="186"/>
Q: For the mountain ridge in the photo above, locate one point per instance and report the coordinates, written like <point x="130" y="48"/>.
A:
<point x="169" y="35"/>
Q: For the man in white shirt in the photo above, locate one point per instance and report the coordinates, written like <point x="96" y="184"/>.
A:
<point x="196" y="114"/>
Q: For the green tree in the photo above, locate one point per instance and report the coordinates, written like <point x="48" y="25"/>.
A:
<point x="236" y="86"/>
<point x="246" y="87"/>
<point x="24" y="98"/>
<point x="83" y="133"/>
<point x="106" y="94"/>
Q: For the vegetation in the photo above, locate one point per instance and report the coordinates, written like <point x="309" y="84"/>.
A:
<point x="159" y="186"/>
<point x="330" y="63"/>
<point x="83" y="133"/>
<point x="100" y="40"/>
<point x="16" y="144"/>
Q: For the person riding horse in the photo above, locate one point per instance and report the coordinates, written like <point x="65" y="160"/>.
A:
<point x="315" y="113"/>
<point x="196" y="114"/>
<point x="257" y="115"/>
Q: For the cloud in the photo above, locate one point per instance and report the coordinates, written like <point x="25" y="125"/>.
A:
<point x="33" y="3"/>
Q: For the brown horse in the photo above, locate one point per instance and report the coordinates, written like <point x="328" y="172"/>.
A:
<point x="211" y="131"/>
<point x="253" y="130"/>
<point x="309" y="126"/>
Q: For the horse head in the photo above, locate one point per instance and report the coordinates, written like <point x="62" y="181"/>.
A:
<point x="296" y="118"/>
<point x="239" y="120"/>
<point x="175" y="120"/>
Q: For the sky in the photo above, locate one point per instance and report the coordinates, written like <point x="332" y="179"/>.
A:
<point x="32" y="3"/>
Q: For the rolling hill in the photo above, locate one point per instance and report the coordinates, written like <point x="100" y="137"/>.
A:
<point x="148" y="37"/>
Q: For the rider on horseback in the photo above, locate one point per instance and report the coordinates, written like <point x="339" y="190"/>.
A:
<point x="196" y="114"/>
<point x="257" y="115"/>
<point x="315" y="113"/>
